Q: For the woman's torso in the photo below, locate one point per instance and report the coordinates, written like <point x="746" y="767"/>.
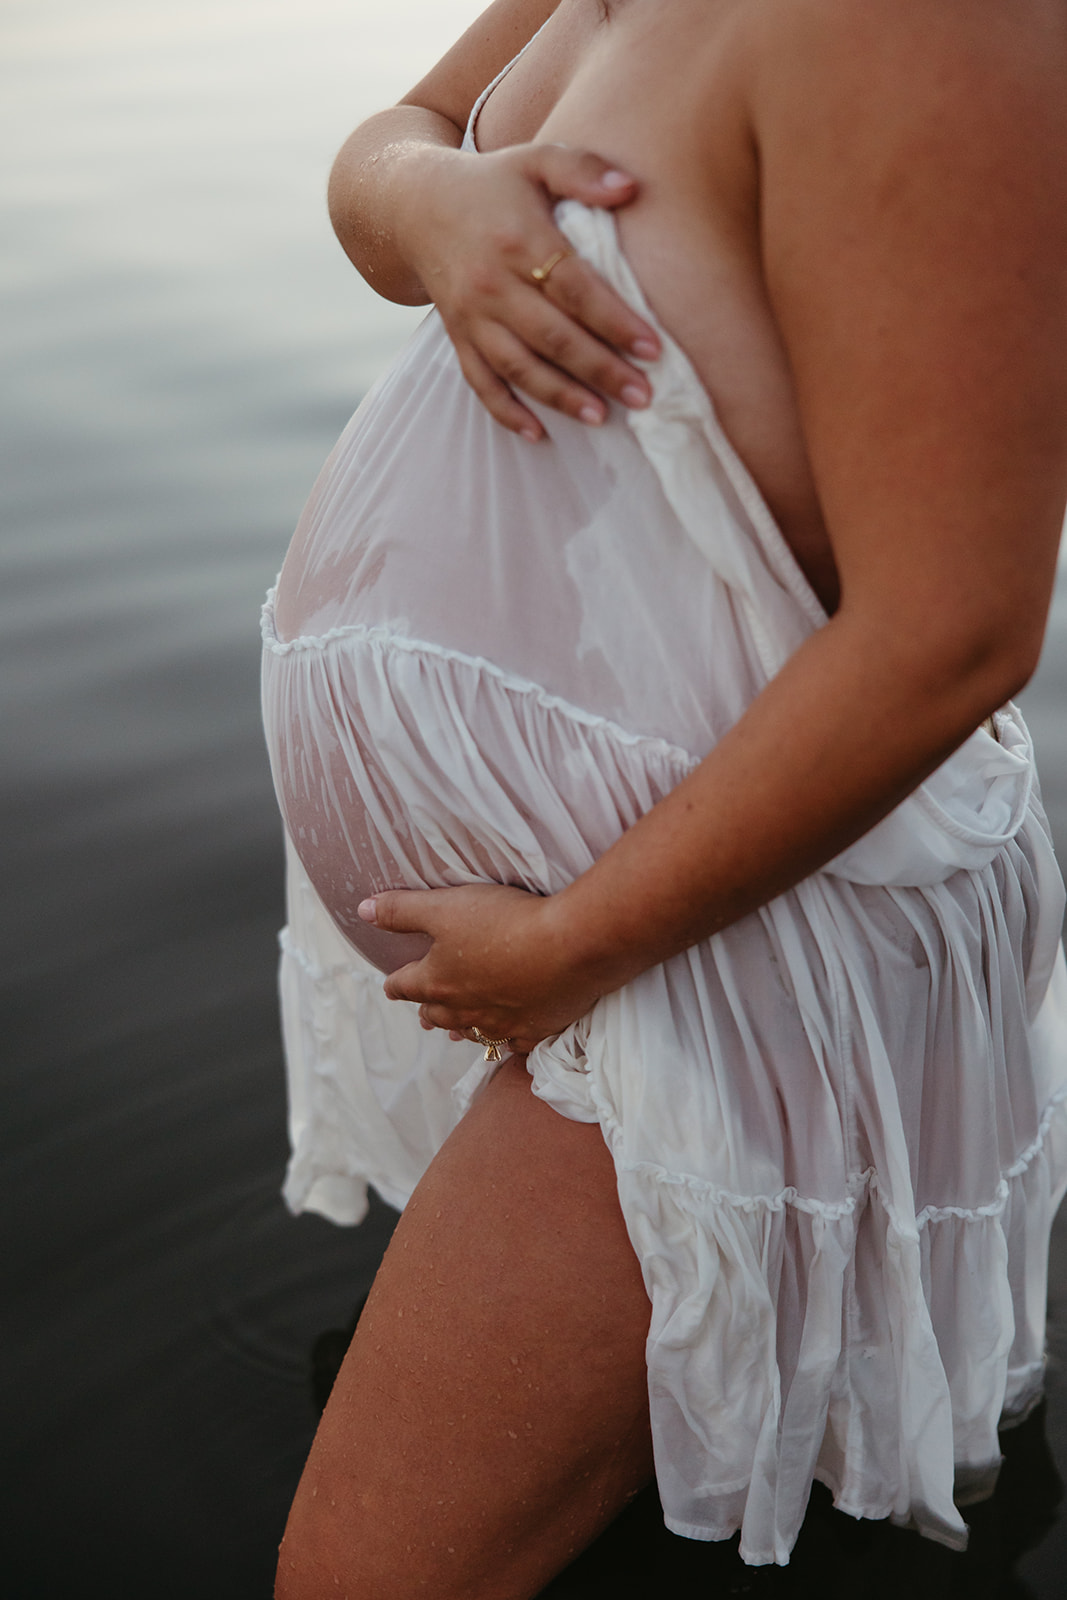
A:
<point x="659" y="91"/>
<point x="461" y="609"/>
<point x="485" y="659"/>
<point x="432" y="519"/>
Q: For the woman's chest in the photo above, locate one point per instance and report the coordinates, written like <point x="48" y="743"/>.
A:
<point x="661" y="91"/>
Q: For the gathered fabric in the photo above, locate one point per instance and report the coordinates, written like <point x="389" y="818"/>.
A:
<point x="840" y="1125"/>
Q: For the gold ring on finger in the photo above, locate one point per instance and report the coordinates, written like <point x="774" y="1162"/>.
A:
<point x="492" y="1046"/>
<point x="540" y="274"/>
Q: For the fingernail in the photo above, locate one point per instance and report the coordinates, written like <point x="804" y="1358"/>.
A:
<point x="367" y="910"/>
<point x="529" y="433"/>
<point x="645" y="349"/>
<point x="591" y="414"/>
<point x="614" y="179"/>
<point x="634" y="395"/>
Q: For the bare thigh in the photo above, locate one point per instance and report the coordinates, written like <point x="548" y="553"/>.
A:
<point x="491" y="1416"/>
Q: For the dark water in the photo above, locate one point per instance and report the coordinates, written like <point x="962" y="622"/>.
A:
<point x="183" y="341"/>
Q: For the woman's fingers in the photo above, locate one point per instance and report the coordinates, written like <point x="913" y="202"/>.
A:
<point x="458" y="1023"/>
<point x="493" y="964"/>
<point x="406" y="983"/>
<point x="549" y="356"/>
<point x="400" y="911"/>
<point x="578" y="291"/>
<point x="563" y="333"/>
<point x="517" y="1045"/>
<point x="569" y="341"/>
<point x="570" y="174"/>
<point x="495" y="395"/>
<point x="564" y="344"/>
<point x="521" y="367"/>
<point x="576" y="288"/>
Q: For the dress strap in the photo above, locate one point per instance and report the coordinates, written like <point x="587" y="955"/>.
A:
<point x="469" y="135"/>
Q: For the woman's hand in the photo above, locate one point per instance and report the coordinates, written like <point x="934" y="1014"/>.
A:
<point x="497" y="962"/>
<point x="484" y="223"/>
<point x="422" y="221"/>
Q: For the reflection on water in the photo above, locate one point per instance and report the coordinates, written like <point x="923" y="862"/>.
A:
<point x="183" y="341"/>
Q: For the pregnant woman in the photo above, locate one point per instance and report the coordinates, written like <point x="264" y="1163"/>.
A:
<point x="637" y="689"/>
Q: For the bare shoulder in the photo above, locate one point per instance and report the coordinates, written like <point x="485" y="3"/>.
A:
<point x="947" y="39"/>
<point x="983" y="82"/>
<point x="912" y="159"/>
<point x="933" y="132"/>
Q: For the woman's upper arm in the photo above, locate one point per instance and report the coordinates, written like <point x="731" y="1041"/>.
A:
<point x="452" y="86"/>
<point x="913" y="168"/>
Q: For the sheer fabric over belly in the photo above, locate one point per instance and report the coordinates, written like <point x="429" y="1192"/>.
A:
<point x="839" y="1125"/>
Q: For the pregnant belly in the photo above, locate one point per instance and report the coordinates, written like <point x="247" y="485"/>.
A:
<point x="401" y="765"/>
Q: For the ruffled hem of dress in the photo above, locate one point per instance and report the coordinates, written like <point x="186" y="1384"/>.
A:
<point x="903" y="1426"/>
<point x="862" y="1513"/>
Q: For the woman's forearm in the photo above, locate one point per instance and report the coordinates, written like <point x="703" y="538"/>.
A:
<point x="847" y="729"/>
<point x="855" y="719"/>
<point x="377" y="186"/>
<point x="374" y="189"/>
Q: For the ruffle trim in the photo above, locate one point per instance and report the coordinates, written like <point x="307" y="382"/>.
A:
<point x="859" y="1186"/>
<point x="383" y="635"/>
<point x="318" y="973"/>
<point x="561" y="1077"/>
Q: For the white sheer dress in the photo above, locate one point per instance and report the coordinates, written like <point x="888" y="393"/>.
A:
<point x="839" y="1126"/>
